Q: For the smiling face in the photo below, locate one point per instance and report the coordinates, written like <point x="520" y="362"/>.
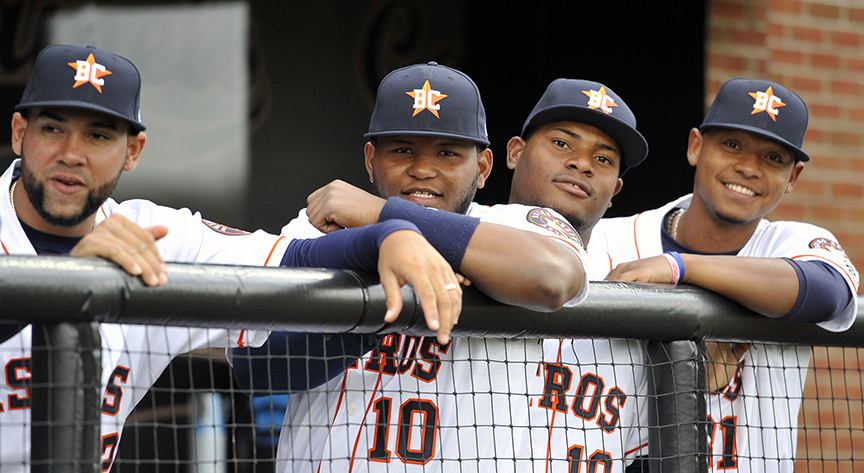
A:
<point x="442" y="173"/>
<point x="71" y="161"/>
<point x="740" y="177"/>
<point x="569" y="167"/>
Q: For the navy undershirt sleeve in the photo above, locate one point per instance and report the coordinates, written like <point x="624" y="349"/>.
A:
<point x="295" y="361"/>
<point x="822" y="292"/>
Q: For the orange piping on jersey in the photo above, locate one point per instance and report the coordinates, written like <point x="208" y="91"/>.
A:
<point x="640" y="447"/>
<point x="635" y="241"/>
<point x="240" y="340"/>
<point x="848" y="278"/>
<point x="552" y="423"/>
<point x="363" y="422"/>
<point x="267" y="261"/>
<point x="338" y="406"/>
<point x="565" y="241"/>
<point x="102" y="208"/>
<point x="4" y="247"/>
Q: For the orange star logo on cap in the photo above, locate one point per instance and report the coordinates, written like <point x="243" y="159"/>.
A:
<point x="89" y="71"/>
<point x="426" y="99"/>
<point x="766" y="102"/>
<point x="599" y="99"/>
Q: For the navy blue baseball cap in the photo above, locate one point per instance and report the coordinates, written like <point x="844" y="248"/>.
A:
<point x="429" y="100"/>
<point x="594" y="104"/>
<point x="85" y="78"/>
<point x="761" y="107"/>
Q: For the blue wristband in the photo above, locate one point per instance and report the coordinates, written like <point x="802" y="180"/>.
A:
<point x="680" y="262"/>
<point x="448" y="232"/>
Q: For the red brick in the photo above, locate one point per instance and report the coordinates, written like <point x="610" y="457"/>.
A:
<point x="721" y="9"/>
<point x="856" y="64"/>
<point x="828" y="212"/>
<point x="807" y="34"/>
<point x="825" y="61"/>
<point x="813" y="135"/>
<point x="825" y="11"/>
<point x="809" y="187"/>
<point x="856" y="14"/>
<point x="842" y="38"/>
<point x="856" y="164"/>
<point x="846" y="88"/>
<point x="787" y="211"/>
<point x="785" y="6"/>
<point x="716" y="35"/>
<point x="804" y="83"/>
<point x="842" y="189"/>
<point x="827" y="162"/>
<point x="749" y="38"/>
<point x="856" y="114"/>
<point x="786" y="56"/>
<point x="727" y="63"/>
<point x="776" y="30"/>
<point x="840" y="138"/>
<point x="856" y="215"/>
<point x="824" y="111"/>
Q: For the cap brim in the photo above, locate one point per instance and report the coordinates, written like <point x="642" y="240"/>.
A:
<point x="632" y="143"/>
<point x="136" y="126"/>
<point x="799" y="155"/>
<point x="426" y="133"/>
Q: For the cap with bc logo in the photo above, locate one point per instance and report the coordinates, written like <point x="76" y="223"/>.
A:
<point x="593" y="104"/>
<point x="763" y="108"/>
<point x="429" y="100"/>
<point x="85" y="78"/>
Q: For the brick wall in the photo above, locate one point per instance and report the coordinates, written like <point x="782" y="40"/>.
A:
<point x="817" y="50"/>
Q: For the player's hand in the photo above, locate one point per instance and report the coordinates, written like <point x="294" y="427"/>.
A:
<point x="722" y="361"/>
<point x="655" y="269"/>
<point x="406" y="257"/>
<point x="341" y="205"/>
<point x="131" y="247"/>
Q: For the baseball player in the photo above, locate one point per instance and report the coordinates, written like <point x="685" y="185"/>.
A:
<point x="747" y="155"/>
<point x="414" y="404"/>
<point x="76" y="130"/>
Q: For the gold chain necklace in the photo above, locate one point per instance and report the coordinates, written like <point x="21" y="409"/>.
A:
<point x="675" y="219"/>
<point x="12" y="191"/>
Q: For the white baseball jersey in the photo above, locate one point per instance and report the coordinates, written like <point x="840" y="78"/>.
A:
<point x="133" y="356"/>
<point x="755" y="416"/>
<point x="473" y="404"/>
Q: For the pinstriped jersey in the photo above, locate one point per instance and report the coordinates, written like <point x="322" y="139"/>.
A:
<point x="133" y="356"/>
<point x="415" y="405"/>
<point x="755" y="416"/>
<point x="473" y="404"/>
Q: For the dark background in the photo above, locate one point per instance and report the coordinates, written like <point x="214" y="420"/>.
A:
<point x="315" y="66"/>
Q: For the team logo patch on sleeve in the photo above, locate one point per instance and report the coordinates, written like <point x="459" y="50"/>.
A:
<point x="223" y="229"/>
<point x="833" y="246"/>
<point x="543" y="218"/>
<point x="826" y="244"/>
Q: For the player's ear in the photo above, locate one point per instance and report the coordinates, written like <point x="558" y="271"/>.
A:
<point x="514" y="151"/>
<point x="369" y="153"/>
<point x="484" y="165"/>
<point x="694" y="146"/>
<point x="19" y="125"/>
<point x="134" y="146"/>
<point x="618" y="186"/>
<point x="793" y="178"/>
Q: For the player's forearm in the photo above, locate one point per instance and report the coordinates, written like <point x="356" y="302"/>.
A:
<point x="768" y="286"/>
<point x="522" y="268"/>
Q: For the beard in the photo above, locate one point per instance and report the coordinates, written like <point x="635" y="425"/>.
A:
<point x="461" y="208"/>
<point x="36" y="194"/>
